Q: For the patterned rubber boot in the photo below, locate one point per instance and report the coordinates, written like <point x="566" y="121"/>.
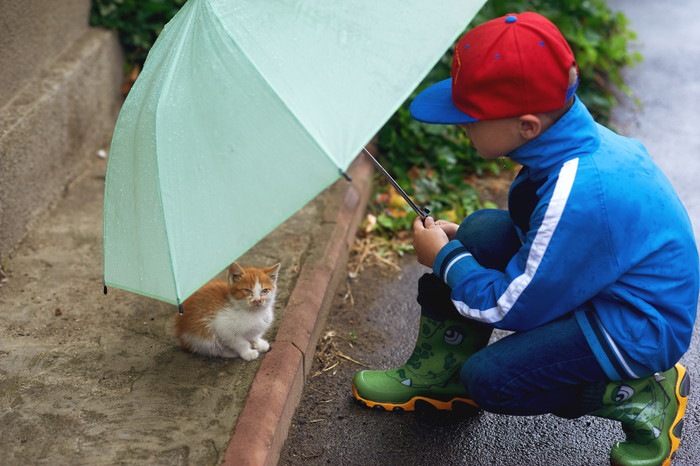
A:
<point x="651" y="411"/>
<point x="430" y="377"/>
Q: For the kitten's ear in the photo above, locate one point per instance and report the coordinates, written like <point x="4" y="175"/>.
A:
<point x="273" y="271"/>
<point x="235" y="272"/>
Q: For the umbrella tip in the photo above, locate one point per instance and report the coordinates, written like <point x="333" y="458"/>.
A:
<point x="105" y="289"/>
<point x="180" y="310"/>
<point x="345" y="175"/>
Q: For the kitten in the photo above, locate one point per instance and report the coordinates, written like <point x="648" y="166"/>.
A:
<point x="229" y="319"/>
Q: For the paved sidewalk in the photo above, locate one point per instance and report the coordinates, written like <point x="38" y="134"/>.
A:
<point x="93" y="379"/>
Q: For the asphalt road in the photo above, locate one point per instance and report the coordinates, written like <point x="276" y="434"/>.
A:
<point x="377" y="326"/>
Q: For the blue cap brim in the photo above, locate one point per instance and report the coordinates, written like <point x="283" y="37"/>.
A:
<point x="434" y="105"/>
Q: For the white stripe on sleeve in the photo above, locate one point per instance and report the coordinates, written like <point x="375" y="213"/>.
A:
<point x="565" y="182"/>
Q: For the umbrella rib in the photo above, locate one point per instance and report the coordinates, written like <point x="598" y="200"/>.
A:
<point x="172" y="60"/>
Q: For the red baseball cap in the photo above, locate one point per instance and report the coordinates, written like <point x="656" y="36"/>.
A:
<point x="510" y="66"/>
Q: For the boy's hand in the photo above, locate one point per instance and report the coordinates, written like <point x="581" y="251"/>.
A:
<point x="449" y="228"/>
<point x="428" y="239"/>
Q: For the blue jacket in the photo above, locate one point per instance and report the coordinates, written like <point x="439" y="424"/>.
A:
<point x="604" y="236"/>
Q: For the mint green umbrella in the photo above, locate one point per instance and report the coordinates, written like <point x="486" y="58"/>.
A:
<point x="245" y="110"/>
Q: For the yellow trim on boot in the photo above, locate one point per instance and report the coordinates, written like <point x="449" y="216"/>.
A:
<point x="682" y="402"/>
<point x="410" y="405"/>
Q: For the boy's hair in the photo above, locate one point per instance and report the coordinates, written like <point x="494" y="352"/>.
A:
<point x="510" y="66"/>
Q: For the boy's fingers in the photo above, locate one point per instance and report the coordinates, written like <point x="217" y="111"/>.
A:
<point x="418" y="224"/>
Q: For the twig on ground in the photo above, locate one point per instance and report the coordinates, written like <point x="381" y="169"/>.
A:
<point x="329" y="356"/>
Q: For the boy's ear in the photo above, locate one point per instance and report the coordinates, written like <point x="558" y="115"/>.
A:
<point x="530" y="126"/>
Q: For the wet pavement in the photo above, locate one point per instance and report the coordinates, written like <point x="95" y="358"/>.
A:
<point x="377" y="327"/>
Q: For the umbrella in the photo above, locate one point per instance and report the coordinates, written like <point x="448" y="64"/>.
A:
<point x="245" y="110"/>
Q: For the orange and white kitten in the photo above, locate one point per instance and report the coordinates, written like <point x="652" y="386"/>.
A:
<point x="229" y="318"/>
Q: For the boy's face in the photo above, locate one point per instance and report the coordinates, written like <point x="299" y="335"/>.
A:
<point x="495" y="138"/>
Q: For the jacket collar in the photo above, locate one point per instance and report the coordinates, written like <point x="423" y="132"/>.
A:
<point x="574" y="135"/>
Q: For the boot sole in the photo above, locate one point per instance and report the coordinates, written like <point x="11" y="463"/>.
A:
<point x="682" y="391"/>
<point x="463" y="406"/>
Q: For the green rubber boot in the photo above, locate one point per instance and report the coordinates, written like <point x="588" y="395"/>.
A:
<point x="651" y="411"/>
<point x="430" y="377"/>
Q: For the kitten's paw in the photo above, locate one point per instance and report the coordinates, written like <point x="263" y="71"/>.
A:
<point x="261" y="345"/>
<point x="250" y="354"/>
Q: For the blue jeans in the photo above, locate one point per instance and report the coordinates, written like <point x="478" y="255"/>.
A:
<point x="549" y="369"/>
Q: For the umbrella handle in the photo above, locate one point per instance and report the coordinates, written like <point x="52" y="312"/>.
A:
<point x="422" y="212"/>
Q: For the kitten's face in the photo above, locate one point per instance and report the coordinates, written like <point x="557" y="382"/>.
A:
<point x="256" y="285"/>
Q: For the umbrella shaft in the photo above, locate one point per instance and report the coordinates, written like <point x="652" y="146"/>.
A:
<point x="422" y="213"/>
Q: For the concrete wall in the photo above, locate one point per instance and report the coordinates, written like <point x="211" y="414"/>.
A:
<point x="59" y="97"/>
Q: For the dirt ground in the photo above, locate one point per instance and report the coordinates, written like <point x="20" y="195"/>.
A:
<point x="92" y="379"/>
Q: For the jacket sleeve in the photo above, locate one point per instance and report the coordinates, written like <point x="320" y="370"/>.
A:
<point x="565" y="260"/>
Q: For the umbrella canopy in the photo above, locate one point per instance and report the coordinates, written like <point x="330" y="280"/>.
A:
<point x="245" y="110"/>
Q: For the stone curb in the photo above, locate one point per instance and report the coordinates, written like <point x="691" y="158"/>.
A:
<point x="263" y="424"/>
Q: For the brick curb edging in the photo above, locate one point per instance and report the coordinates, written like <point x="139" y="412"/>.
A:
<point x="276" y="391"/>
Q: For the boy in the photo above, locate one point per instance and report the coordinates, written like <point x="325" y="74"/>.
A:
<point x="594" y="266"/>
